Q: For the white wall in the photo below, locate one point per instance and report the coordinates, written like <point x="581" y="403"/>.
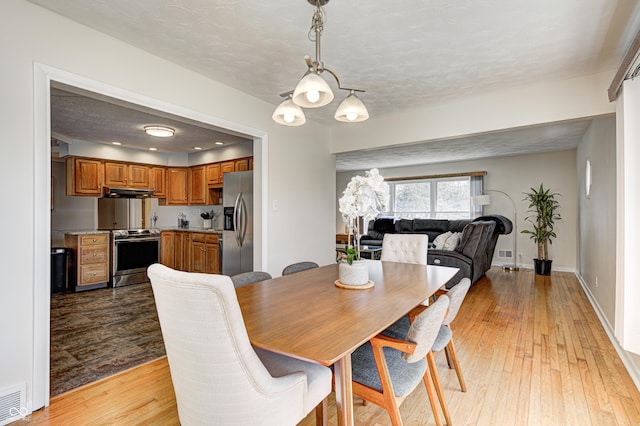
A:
<point x="296" y="161"/>
<point x="597" y="214"/>
<point x="513" y="175"/>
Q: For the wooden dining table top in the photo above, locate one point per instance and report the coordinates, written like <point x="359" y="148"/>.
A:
<point x="306" y="316"/>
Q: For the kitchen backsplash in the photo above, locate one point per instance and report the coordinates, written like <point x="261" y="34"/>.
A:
<point x="168" y="215"/>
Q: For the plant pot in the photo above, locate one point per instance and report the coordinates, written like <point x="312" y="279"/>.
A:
<point x="355" y="274"/>
<point x="206" y="223"/>
<point x="542" y="267"/>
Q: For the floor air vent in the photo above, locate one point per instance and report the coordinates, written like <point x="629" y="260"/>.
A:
<point x="12" y="404"/>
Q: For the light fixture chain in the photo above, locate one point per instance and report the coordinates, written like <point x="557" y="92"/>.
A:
<point x="317" y="23"/>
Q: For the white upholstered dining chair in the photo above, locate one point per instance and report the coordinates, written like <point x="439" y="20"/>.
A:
<point x="405" y="248"/>
<point x="218" y="377"/>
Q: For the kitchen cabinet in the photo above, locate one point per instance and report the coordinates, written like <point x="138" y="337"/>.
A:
<point x="190" y="251"/>
<point x="204" y="253"/>
<point x="226" y="167"/>
<point x="182" y="250"/>
<point x="90" y="261"/>
<point x="197" y="185"/>
<point x="158" y="182"/>
<point x="167" y="249"/>
<point x="175" y="249"/>
<point x="213" y="174"/>
<point x="177" y="186"/>
<point x="127" y="175"/>
<point x="242" y="165"/>
<point x="215" y="171"/>
<point x="84" y="176"/>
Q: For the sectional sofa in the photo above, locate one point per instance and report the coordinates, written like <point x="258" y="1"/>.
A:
<point x="467" y="244"/>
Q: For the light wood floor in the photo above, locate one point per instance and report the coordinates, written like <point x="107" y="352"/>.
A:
<point x="532" y="350"/>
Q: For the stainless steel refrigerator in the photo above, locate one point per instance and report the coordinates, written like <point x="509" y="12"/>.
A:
<point x="237" y="243"/>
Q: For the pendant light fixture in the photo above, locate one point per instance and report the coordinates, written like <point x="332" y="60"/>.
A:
<point x="313" y="91"/>
<point x="289" y="114"/>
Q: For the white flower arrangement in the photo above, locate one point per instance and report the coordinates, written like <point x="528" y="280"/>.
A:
<point x="364" y="197"/>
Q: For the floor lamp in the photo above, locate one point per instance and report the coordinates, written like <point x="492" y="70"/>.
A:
<point x="483" y="200"/>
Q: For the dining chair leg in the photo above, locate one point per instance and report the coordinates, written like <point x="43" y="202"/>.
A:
<point x="390" y="402"/>
<point x="322" y="413"/>
<point x="428" y="383"/>
<point x="447" y="355"/>
<point x="438" y="387"/>
<point x="456" y="364"/>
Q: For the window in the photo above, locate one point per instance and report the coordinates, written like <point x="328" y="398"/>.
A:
<point x="435" y="198"/>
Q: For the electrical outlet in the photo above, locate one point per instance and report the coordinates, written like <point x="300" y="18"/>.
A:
<point x="596" y="281"/>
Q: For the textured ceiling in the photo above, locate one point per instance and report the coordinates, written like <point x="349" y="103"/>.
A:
<point x="78" y="115"/>
<point x="553" y="137"/>
<point x="404" y="53"/>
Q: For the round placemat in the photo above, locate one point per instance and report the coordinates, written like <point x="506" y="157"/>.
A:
<point x="369" y="284"/>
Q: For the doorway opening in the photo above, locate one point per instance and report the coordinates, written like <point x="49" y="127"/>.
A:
<point x="47" y="79"/>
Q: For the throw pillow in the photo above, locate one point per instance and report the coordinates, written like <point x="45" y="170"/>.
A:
<point x="452" y="241"/>
<point x="439" y="241"/>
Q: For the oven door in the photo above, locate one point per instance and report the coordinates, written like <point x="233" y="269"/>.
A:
<point x="131" y="258"/>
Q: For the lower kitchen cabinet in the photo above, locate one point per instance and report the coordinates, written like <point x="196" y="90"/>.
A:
<point x="204" y="253"/>
<point x="190" y="251"/>
<point x="89" y="267"/>
<point x="167" y="249"/>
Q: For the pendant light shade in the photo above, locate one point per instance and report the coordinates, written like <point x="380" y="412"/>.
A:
<point x="289" y="114"/>
<point x="351" y="110"/>
<point x="312" y="92"/>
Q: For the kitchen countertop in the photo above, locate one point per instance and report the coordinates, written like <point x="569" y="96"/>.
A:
<point x="85" y="231"/>
<point x="192" y="229"/>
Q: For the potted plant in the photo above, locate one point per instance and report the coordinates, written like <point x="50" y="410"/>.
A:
<point x="543" y="207"/>
<point x="364" y="197"/>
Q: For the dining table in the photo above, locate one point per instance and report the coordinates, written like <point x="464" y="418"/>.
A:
<point x="307" y="316"/>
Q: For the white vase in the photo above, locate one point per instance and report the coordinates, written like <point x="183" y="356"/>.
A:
<point x="206" y="223"/>
<point x="355" y="274"/>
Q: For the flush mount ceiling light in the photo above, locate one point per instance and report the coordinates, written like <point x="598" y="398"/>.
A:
<point x="159" y="131"/>
<point x="313" y="91"/>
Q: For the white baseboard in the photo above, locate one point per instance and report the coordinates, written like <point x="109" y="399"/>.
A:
<point x="630" y="365"/>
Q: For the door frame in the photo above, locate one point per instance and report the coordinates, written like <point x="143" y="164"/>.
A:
<point x="43" y="75"/>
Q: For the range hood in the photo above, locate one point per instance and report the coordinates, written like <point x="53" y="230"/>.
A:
<point x="108" y="192"/>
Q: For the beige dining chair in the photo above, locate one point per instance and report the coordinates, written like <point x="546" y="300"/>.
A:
<point x="405" y="248"/>
<point x="387" y="370"/>
<point x="218" y="377"/>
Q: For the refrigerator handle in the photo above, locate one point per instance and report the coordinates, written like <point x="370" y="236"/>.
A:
<point x="243" y="220"/>
<point x="236" y="219"/>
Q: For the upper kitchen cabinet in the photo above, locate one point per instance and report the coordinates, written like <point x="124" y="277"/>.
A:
<point x="127" y="175"/>
<point x="242" y="165"/>
<point x="177" y="186"/>
<point x="158" y="182"/>
<point x="213" y="174"/>
<point x="226" y="167"/>
<point x="84" y="176"/>
<point x="197" y="185"/>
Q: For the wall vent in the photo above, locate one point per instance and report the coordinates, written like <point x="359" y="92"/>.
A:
<point x="12" y="404"/>
<point x="507" y="254"/>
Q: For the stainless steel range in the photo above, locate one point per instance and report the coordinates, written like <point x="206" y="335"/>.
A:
<point x="132" y="251"/>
